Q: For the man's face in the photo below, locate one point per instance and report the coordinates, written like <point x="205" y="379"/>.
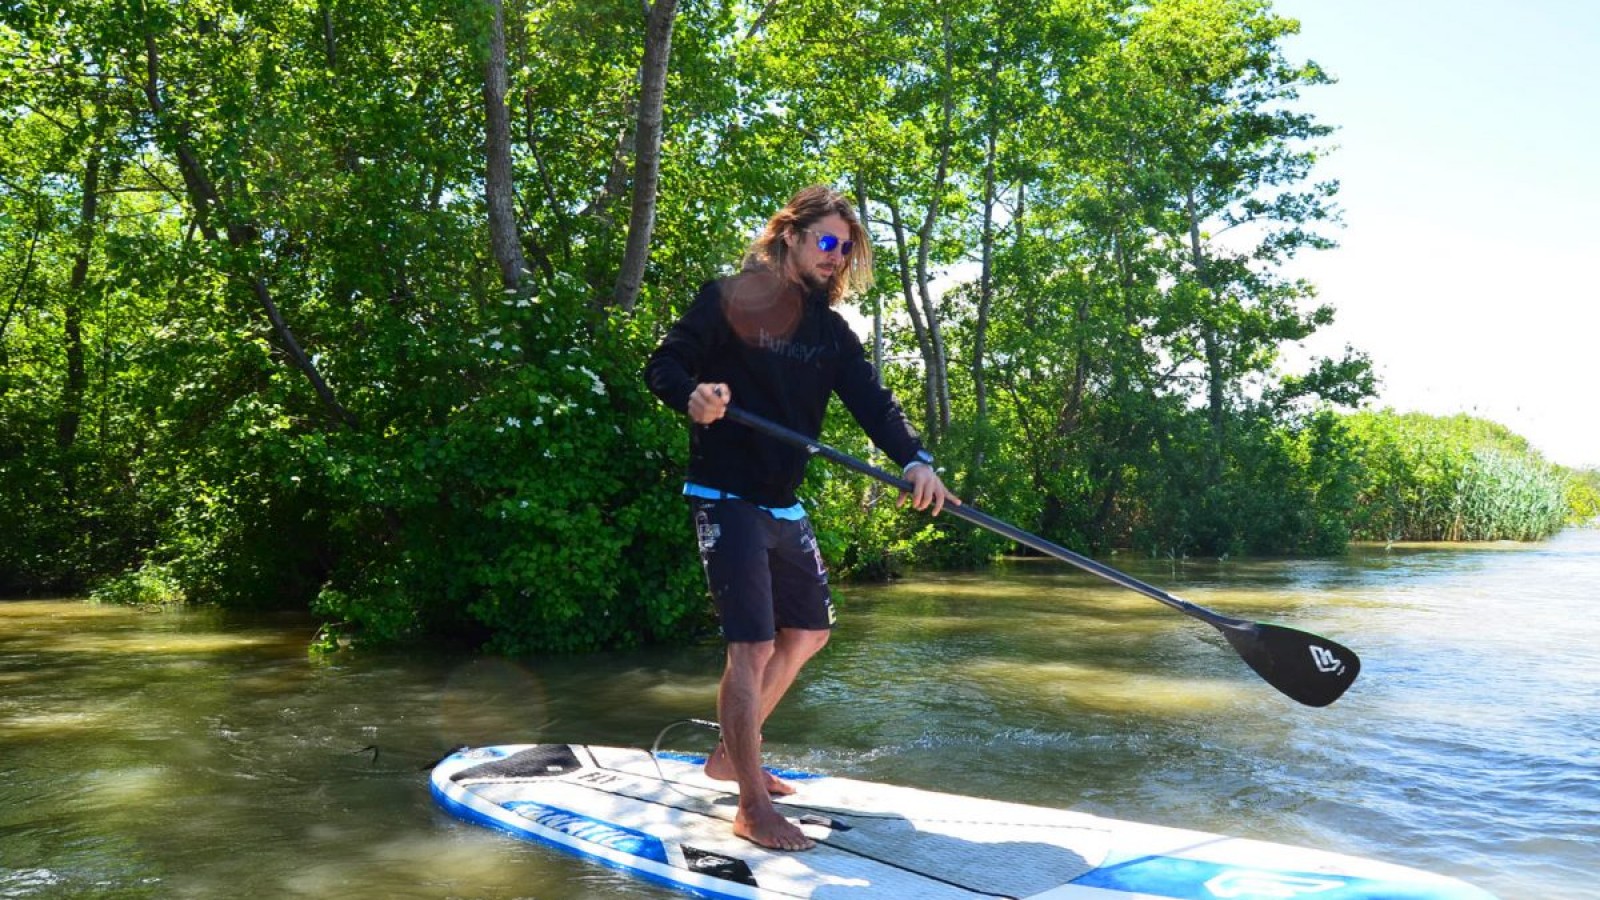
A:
<point x="814" y="265"/>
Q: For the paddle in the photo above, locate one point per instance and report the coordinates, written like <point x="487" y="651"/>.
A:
<point x="1313" y="670"/>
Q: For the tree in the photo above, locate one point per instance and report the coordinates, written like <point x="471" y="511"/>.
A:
<point x="647" y="155"/>
<point x="504" y="235"/>
<point x="341" y="305"/>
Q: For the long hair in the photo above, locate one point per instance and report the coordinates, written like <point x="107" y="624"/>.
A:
<point x="769" y="251"/>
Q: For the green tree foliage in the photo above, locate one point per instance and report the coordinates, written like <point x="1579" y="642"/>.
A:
<point x="69" y="331"/>
<point x="317" y="383"/>
<point x="1583" y="497"/>
<point x="1459" y="478"/>
<point x="257" y="346"/>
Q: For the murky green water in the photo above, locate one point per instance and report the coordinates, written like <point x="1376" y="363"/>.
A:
<point x="193" y="755"/>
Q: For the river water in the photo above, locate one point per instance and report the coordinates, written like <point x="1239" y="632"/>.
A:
<point x="194" y="754"/>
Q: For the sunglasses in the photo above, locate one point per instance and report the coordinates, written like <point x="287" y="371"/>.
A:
<point x="827" y="243"/>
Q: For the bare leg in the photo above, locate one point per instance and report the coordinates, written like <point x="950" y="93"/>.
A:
<point x="792" y="649"/>
<point x="756" y="677"/>
<point x="718" y="767"/>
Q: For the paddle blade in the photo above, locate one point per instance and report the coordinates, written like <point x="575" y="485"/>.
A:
<point x="1310" y="669"/>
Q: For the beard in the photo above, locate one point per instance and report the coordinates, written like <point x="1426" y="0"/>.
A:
<point x="815" y="281"/>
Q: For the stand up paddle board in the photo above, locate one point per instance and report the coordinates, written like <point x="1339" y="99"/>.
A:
<point x="656" y="814"/>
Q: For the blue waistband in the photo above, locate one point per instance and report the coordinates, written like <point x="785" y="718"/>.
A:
<point x="792" y="513"/>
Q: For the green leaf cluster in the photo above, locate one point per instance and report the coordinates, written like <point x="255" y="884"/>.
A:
<point x="1455" y="478"/>
<point x="256" y="350"/>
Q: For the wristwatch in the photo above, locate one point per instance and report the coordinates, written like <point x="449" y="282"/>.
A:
<point x="923" y="458"/>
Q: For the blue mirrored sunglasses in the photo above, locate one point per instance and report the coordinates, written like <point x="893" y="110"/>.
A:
<point x="827" y="243"/>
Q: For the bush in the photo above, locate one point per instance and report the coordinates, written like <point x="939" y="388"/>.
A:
<point x="1583" y="497"/>
<point x="540" y="516"/>
<point x="1453" y="479"/>
<point x="152" y="585"/>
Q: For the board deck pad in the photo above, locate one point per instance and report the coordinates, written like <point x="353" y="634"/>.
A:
<point x="662" y="818"/>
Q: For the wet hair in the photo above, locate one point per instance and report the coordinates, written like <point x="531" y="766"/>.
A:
<point x="809" y="205"/>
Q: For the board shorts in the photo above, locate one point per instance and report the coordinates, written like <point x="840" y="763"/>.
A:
<point x="765" y="573"/>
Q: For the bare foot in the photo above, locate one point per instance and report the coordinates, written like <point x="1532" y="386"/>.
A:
<point x="770" y="830"/>
<point x="719" y="768"/>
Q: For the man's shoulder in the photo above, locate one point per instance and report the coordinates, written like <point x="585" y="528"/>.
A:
<point x="746" y="281"/>
<point x="709" y="290"/>
<point x="836" y="323"/>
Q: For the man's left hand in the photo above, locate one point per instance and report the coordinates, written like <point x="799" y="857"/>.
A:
<point x="928" y="488"/>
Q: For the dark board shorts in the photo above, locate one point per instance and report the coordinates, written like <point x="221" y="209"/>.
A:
<point x="765" y="573"/>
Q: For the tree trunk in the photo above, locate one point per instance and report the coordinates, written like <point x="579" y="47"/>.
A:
<point x="1017" y="234"/>
<point x="1072" y="404"/>
<point x="1216" y="393"/>
<point x="501" y="193"/>
<point x="930" y="401"/>
<point x="41" y="224"/>
<point x="937" y="361"/>
<point x="616" y="180"/>
<point x="980" y="336"/>
<point x="77" y="379"/>
<point x="204" y="201"/>
<point x="647" y="153"/>
<point x="534" y="141"/>
<point x="330" y="43"/>
<point x="761" y="20"/>
<point x="980" y="325"/>
<point x="877" y="299"/>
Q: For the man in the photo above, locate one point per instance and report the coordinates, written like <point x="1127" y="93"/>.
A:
<point x="769" y="340"/>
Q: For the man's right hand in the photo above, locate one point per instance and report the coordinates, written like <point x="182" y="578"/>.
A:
<point x="708" y="403"/>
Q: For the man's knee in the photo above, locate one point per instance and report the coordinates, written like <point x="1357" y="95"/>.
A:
<point x="804" y="641"/>
<point x="750" y="655"/>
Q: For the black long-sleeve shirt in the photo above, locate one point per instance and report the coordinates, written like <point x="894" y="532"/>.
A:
<point x="782" y="356"/>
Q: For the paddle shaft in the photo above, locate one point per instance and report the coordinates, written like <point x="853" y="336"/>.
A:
<point x="984" y="520"/>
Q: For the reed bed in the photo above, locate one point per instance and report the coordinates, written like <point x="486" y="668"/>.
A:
<point x="1453" y="479"/>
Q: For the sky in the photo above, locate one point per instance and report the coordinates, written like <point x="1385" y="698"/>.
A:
<point x="1468" y="153"/>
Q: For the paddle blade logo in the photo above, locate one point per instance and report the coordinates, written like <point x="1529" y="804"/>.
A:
<point x="1325" y="661"/>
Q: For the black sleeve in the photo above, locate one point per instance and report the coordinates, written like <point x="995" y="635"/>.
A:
<point x="872" y="404"/>
<point x="674" y="369"/>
